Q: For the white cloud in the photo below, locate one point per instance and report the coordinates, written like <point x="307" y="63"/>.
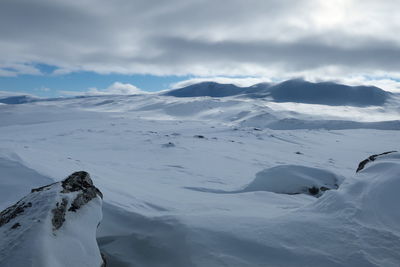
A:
<point x="117" y="88"/>
<point x="263" y="38"/>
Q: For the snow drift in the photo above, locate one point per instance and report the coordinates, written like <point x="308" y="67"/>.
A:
<point x="53" y="226"/>
<point x="294" y="179"/>
<point x="18" y="179"/>
<point x="288" y="179"/>
<point x="151" y="219"/>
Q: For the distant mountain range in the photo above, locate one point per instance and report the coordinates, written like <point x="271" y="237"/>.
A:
<point x="19" y="99"/>
<point x="297" y="90"/>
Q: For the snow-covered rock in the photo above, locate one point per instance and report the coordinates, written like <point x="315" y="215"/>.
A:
<point x="288" y="179"/>
<point x="371" y="158"/>
<point x="294" y="179"/>
<point x="53" y="226"/>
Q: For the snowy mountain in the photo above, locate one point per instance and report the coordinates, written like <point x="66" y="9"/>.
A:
<point x="19" y="99"/>
<point x="54" y="225"/>
<point x="211" y="89"/>
<point x="297" y="90"/>
<point x="328" y="93"/>
<point x="204" y="181"/>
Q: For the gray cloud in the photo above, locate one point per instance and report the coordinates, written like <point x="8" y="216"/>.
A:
<point x="201" y="37"/>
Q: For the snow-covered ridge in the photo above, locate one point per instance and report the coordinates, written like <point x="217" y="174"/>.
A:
<point x="53" y="226"/>
<point x="297" y="90"/>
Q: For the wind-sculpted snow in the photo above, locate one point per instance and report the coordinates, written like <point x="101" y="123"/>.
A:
<point x="288" y="179"/>
<point x="146" y="150"/>
<point x="295" y="124"/>
<point x="18" y="179"/>
<point x="54" y="225"/>
<point x="375" y="193"/>
<point x="355" y="225"/>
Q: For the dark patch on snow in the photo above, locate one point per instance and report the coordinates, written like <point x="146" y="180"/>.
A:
<point x="313" y="190"/>
<point x="103" y="257"/>
<point x="12" y="212"/>
<point x="59" y="214"/>
<point x="15" y="226"/>
<point x="199" y="136"/>
<point x="76" y="182"/>
<point x="42" y="188"/>
<point x="371" y="158"/>
<point x="169" y="144"/>
<point x="80" y="181"/>
<point x="83" y="198"/>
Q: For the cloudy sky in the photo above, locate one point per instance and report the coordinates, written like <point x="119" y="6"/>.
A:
<point x="52" y="46"/>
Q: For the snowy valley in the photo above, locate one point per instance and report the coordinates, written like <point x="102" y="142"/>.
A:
<point x="201" y="176"/>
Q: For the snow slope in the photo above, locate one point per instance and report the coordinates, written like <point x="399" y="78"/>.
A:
<point x="153" y="217"/>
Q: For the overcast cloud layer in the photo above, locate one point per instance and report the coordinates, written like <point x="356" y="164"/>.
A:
<point x="268" y="38"/>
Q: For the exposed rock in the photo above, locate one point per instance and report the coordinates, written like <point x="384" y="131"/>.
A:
<point x="30" y="222"/>
<point x="15" y="226"/>
<point x="79" y="181"/>
<point x="59" y="214"/>
<point x="12" y="212"/>
<point x="313" y="190"/>
<point x="371" y="158"/>
<point x="46" y="187"/>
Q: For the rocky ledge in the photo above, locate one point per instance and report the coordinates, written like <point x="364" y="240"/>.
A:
<point x="54" y="225"/>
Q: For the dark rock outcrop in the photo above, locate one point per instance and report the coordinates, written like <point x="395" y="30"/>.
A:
<point x="371" y="158"/>
<point x="78" y="181"/>
<point x="12" y="212"/>
<point x="42" y="214"/>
